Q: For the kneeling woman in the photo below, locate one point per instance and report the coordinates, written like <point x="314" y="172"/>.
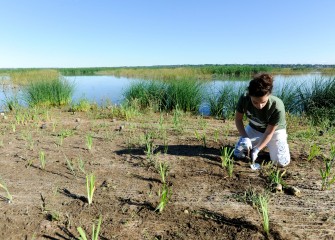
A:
<point x="267" y="124"/>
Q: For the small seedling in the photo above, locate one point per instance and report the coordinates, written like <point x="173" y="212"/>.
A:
<point x="90" y="187"/>
<point x="81" y="165"/>
<point x="264" y="208"/>
<point x="163" y="171"/>
<point x="95" y="231"/>
<point x="165" y="197"/>
<point x="13" y="127"/>
<point x="216" y="135"/>
<point x="313" y="152"/>
<point x="276" y="177"/>
<point x="327" y="179"/>
<point x="70" y="166"/>
<point x="89" y="141"/>
<point x="230" y="167"/>
<point x="4" y="187"/>
<point x="226" y="155"/>
<point x="149" y="144"/>
<point x="42" y="159"/>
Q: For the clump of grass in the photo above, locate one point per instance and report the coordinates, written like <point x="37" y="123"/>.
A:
<point x="314" y="151"/>
<point x="223" y="102"/>
<point x="83" y="105"/>
<point x="287" y="92"/>
<point x="318" y="101"/>
<point x="95" y="231"/>
<point x="186" y="94"/>
<point x="57" y="92"/>
<point x="147" y="94"/>
<point x="226" y="155"/>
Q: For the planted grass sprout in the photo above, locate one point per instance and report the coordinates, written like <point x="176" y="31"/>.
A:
<point x="89" y="141"/>
<point x="95" y="231"/>
<point x="90" y="187"/>
<point x="165" y="195"/>
<point x="42" y="159"/>
<point x="264" y="209"/>
<point x="4" y="187"/>
<point x="226" y="155"/>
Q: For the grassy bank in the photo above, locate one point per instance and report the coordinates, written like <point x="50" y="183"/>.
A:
<point x="169" y="72"/>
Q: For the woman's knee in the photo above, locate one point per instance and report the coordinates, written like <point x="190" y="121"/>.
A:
<point x="280" y="153"/>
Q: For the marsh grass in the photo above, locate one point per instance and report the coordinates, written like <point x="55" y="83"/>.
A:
<point x="288" y="92"/>
<point x="185" y="94"/>
<point x="223" y="102"/>
<point x="25" y="76"/>
<point x="56" y="92"/>
<point x="187" y="71"/>
<point x="318" y="101"/>
<point x="166" y="96"/>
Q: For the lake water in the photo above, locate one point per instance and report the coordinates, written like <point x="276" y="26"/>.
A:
<point x="100" y="89"/>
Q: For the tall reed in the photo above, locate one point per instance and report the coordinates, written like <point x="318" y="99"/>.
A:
<point x="318" y="101"/>
<point x="223" y="102"/>
<point x="186" y="94"/>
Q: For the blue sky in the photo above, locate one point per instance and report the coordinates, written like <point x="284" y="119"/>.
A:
<point x="108" y="33"/>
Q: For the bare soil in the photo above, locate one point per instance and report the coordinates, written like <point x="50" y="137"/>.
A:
<point x="206" y="203"/>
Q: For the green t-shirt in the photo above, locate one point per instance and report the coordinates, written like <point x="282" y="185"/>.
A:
<point x="273" y="113"/>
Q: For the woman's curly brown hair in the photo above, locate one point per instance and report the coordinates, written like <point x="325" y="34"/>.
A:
<point x="260" y="85"/>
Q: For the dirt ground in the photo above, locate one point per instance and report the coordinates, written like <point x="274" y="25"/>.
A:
<point x="206" y="203"/>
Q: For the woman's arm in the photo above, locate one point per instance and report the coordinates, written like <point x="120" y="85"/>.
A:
<point x="239" y="124"/>
<point x="266" y="136"/>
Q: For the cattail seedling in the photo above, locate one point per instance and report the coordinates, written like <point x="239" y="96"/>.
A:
<point x="313" y="152"/>
<point x="90" y="187"/>
<point x="4" y="187"/>
<point x="42" y="159"/>
<point x="89" y="141"/>
<point x="264" y="207"/>
<point x="163" y="171"/>
<point x="226" y="155"/>
<point x="165" y="197"/>
<point x="95" y="231"/>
